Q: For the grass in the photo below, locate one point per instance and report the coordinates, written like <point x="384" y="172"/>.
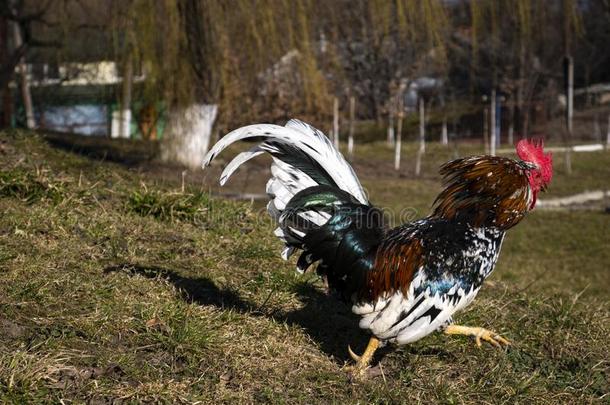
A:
<point x="115" y="285"/>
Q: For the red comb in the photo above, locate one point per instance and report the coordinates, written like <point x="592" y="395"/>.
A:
<point x="533" y="151"/>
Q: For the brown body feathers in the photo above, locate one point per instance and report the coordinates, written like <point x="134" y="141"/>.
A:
<point x="484" y="191"/>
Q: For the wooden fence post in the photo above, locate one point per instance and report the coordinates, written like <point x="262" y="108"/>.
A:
<point x="336" y="122"/>
<point x="398" y="143"/>
<point x="422" y="125"/>
<point x="511" y="121"/>
<point x="422" y="137"/>
<point x="492" y="123"/>
<point x="485" y="130"/>
<point x="608" y="134"/>
<point x="597" y="131"/>
<point x="391" y="135"/>
<point x="444" y="137"/>
<point x="352" y="117"/>
<point x="569" y="76"/>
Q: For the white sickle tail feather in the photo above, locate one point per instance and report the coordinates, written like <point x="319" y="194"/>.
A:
<point x="303" y="158"/>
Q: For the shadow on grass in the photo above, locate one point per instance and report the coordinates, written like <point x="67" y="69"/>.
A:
<point x="128" y="152"/>
<point x="326" y="320"/>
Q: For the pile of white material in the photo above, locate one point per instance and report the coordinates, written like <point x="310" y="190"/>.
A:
<point x="575" y="199"/>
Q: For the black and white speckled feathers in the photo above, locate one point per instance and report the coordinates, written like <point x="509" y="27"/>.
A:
<point x="446" y="264"/>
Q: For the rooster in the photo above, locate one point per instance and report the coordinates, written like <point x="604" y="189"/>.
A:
<point x="405" y="282"/>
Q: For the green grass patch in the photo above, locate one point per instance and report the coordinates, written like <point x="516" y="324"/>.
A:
<point x="170" y="207"/>
<point x="28" y="187"/>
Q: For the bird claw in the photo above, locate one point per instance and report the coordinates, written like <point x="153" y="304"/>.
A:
<point x="358" y="371"/>
<point x="491" y="338"/>
<point x="353" y="355"/>
<point x="479" y="334"/>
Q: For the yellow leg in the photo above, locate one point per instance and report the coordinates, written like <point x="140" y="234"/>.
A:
<point x="478" y="333"/>
<point x="358" y="370"/>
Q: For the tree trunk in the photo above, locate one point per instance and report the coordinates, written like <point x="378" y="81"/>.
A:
<point x="526" y="122"/>
<point x="187" y="136"/>
<point x="521" y="89"/>
<point x="25" y="85"/>
<point x="5" y="91"/>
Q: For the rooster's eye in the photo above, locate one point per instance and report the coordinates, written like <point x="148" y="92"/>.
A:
<point x="528" y="165"/>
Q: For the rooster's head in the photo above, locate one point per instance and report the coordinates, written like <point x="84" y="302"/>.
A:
<point x="540" y="165"/>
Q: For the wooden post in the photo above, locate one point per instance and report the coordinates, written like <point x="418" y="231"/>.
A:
<point x="499" y="121"/>
<point x="608" y="134"/>
<point x="569" y="73"/>
<point x="336" y="122"/>
<point x="444" y="137"/>
<point x="418" y="162"/>
<point x="391" y="136"/>
<point x="485" y="130"/>
<point x="511" y="122"/>
<point x="25" y="85"/>
<point x="422" y="137"/>
<point x="422" y="125"/>
<point x="597" y="130"/>
<point x="352" y="117"/>
<point x="125" y="112"/>
<point x="492" y="123"/>
<point x="398" y="144"/>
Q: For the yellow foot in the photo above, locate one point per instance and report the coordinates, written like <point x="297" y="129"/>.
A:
<point x="479" y="334"/>
<point x="358" y="371"/>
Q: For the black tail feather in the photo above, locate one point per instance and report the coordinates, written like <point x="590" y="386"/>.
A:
<point x="345" y="245"/>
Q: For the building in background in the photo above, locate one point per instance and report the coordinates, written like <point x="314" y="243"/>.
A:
<point x="82" y="98"/>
